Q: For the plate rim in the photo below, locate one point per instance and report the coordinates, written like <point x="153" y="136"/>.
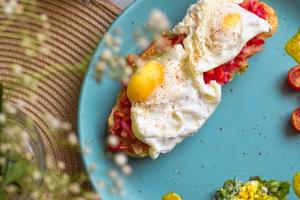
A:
<point x="95" y="56"/>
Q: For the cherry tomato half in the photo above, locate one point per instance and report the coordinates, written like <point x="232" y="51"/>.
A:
<point x="296" y="119"/>
<point x="294" y="77"/>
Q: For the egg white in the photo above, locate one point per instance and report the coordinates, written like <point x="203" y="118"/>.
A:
<point x="176" y="109"/>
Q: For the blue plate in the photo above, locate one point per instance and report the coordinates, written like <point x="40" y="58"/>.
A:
<point x="249" y="134"/>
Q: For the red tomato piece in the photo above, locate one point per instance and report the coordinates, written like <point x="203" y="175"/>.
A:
<point x="294" y="77"/>
<point x="296" y="119"/>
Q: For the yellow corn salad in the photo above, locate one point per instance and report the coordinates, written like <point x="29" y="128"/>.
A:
<point x="252" y="191"/>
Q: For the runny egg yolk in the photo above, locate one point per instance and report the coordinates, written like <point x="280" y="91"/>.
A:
<point x="293" y="47"/>
<point x="144" y="81"/>
<point x="231" y="20"/>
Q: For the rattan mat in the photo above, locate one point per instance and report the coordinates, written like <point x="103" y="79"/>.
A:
<point x="74" y="31"/>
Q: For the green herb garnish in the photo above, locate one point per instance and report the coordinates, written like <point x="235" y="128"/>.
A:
<point x="271" y="189"/>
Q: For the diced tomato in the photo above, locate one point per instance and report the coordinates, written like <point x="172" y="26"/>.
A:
<point x="255" y="7"/>
<point x="122" y="127"/>
<point x="223" y="74"/>
<point x="294" y="77"/>
<point x="295" y="120"/>
<point x="178" y="39"/>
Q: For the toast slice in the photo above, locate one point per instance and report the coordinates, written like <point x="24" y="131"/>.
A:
<point x="119" y="121"/>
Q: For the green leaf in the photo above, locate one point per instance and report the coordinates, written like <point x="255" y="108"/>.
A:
<point x="16" y="171"/>
<point x="2" y="194"/>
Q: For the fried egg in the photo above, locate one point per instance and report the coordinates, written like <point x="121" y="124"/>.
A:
<point x="176" y="108"/>
<point x="170" y="100"/>
<point x="217" y="30"/>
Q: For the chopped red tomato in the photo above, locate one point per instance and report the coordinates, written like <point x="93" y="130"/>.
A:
<point x="296" y="119"/>
<point x="255" y="7"/>
<point x="224" y="73"/>
<point x="122" y="128"/>
<point x="294" y="77"/>
<point x="177" y="39"/>
<point x="122" y="124"/>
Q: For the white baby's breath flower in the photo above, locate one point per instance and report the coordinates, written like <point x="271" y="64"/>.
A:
<point x="18" y="69"/>
<point x="9" y="7"/>
<point x="18" y="149"/>
<point x="20" y="103"/>
<point x="140" y="62"/>
<point x="10" y="108"/>
<point x="11" y="188"/>
<point x="72" y="138"/>
<point x="33" y="97"/>
<point x="112" y="174"/>
<point x="66" y="126"/>
<point x="75" y="188"/>
<point x="117" y="31"/>
<point x="158" y="20"/>
<point x="122" y="194"/>
<point x="2" y="118"/>
<point x="118" y="40"/>
<point x="43" y="17"/>
<point x="112" y="191"/>
<point x="65" y="178"/>
<point x="91" y="196"/>
<point x="37" y="175"/>
<point x="100" y="67"/>
<point x="127" y="170"/>
<point x="2" y="161"/>
<point x="119" y="183"/>
<point x="123" y="62"/>
<point x="30" y="52"/>
<point x="128" y="71"/>
<point x="48" y="180"/>
<point x="46" y="25"/>
<point x="61" y="165"/>
<point x="92" y="167"/>
<point x="28" y="156"/>
<point x="86" y="150"/>
<point x="28" y="80"/>
<point x="116" y="49"/>
<point x="45" y="50"/>
<point x="109" y="40"/>
<point x="25" y="136"/>
<point x="120" y="159"/>
<point x="161" y="42"/>
<point x="35" y="194"/>
<point x="5" y="147"/>
<point x="143" y="42"/>
<point x="114" y="64"/>
<point x="106" y="55"/>
<point x="113" y="140"/>
<point x="41" y="37"/>
<point x="53" y="121"/>
<point x="101" y="184"/>
<point x="19" y="9"/>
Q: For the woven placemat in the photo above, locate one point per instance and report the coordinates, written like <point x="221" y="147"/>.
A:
<point x="73" y="31"/>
